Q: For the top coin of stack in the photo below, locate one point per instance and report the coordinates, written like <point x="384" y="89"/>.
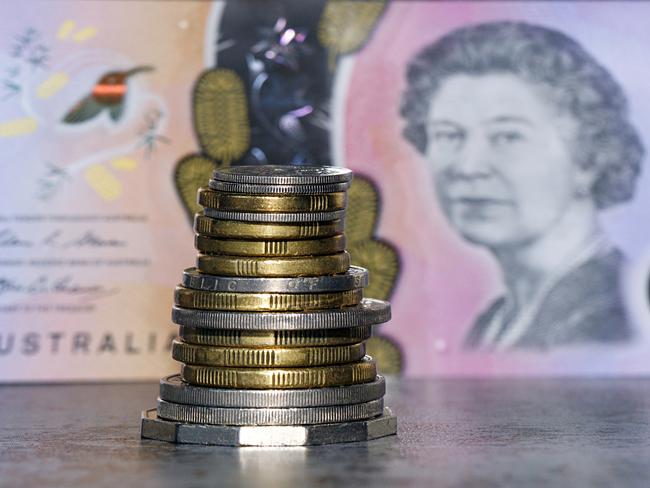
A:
<point x="272" y="320"/>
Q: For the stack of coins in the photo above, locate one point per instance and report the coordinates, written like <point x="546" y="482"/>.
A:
<point x="272" y="321"/>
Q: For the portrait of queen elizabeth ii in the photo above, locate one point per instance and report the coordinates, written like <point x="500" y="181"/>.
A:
<point x="528" y="138"/>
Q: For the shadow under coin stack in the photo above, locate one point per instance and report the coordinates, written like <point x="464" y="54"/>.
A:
<point x="272" y="320"/>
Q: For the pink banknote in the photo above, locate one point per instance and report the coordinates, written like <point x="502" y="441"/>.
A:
<point x="503" y="146"/>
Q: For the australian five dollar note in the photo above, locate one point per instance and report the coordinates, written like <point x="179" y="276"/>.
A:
<point x="500" y="148"/>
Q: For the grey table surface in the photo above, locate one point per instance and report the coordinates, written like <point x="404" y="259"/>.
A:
<point x="534" y="432"/>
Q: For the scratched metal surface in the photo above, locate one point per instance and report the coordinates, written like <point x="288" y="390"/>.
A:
<point x="451" y="433"/>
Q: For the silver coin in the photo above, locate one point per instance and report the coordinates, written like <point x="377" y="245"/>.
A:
<point x="354" y="277"/>
<point x="269" y="416"/>
<point x="368" y="312"/>
<point x="274" y="338"/>
<point x="283" y="175"/>
<point x="173" y="389"/>
<point x="251" y="189"/>
<point x="274" y="217"/>
<point x="153" y="427"/>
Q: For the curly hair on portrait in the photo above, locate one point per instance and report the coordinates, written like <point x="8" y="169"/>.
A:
<point x="577" y="83"/>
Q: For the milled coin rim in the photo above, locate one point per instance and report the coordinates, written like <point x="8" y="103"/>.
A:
<point x="274" y="338"/>
<point x="286" y="174"/>
<point x="239" y="229"/>
<point x="219" y="200"/>
<point x="276" y="248"/>
<point x="369" y="312"/>
<point x="274" y="217"/>
<point x="362" y="371"/>
<point x="264" y="302"/>
<point x="154" y="428"/>
<point x="271" y="267"/>
<point x="266" y="357"/>
<point x="269" y="416"/>
<point x="173" y="389"/>
<point x="261" y="189"/>
<point x="354" y="277"/>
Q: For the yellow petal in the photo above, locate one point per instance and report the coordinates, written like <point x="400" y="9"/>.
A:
<point x="85" y="34"/>
<point x="124" y="164"/>
<point x="18" y="127"/>
<point x="52" y="85"/>
<point x="65" y="29"/>
<point x="103" y="182"/>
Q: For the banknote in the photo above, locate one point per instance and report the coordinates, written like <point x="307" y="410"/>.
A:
<point x="509" y="143"/>
<point x="500" y="191"/>
<point x="92" y="234"/>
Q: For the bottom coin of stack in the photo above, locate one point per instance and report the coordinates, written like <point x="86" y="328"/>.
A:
<point x="272" y="321"/>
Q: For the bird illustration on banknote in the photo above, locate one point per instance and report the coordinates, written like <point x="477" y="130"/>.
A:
<point x="109" y="93"/>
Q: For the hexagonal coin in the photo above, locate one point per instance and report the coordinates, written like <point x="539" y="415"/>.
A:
<point x="155" y="428"/>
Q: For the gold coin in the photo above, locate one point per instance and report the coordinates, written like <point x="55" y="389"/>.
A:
<point x="235" y="229"/>
<point x="265" y="302"/>
<point x="266" y="357"/>
<point x="363" y="371"/>
<point x="310" y="247"/>
<point x="327" y="264"/>
<point x="271" y="338"/>
<point x="326" y="202"/>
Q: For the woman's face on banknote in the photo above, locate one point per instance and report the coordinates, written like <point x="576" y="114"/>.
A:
<point x="501" y="158"/>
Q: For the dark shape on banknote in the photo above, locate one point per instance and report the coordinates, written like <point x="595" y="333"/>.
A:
<point x="108" y="93"/>
<point x="528" y="138"/>
<point x="286" y="54"/>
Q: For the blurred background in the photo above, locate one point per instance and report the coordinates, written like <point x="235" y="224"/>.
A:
<point x="500" y="198"/>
